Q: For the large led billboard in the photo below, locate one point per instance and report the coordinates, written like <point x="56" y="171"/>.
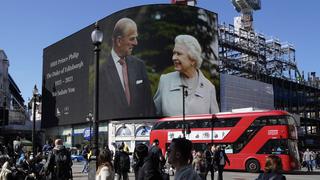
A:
<point x="149" y="54"/>
<point x="238" y="92"/>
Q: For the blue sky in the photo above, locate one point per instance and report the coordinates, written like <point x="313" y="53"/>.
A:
<point x="27" y="27"/>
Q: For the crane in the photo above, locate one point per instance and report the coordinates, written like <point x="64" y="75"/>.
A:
<point x="246" y="8"/>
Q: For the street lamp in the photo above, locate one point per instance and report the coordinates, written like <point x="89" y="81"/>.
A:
<point x="35" y="95"/>
<point x="96" y="37"/>
<point x="185" y="127"/>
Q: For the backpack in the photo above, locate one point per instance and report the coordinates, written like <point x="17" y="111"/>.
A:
<point x="124" y="162"/>
<point x="63" y="164"/>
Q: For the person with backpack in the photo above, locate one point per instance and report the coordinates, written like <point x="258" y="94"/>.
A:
<point x="58" y="165"/>
<point x="122" y="163"/>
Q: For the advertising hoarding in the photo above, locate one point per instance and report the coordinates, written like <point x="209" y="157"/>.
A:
<point x="148" y="47"/>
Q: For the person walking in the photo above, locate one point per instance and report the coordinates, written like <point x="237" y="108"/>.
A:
<point x="85" y="153"/>
<point x="220" y="159"/>
<point x="199" y="165"/>
<point x="139" y="155"/>
<point x="209" y="154"/>
<point x="122" y="163"/>
<point x="156" y="151"/>
<point x="179" y="156"/>
<point x="272" y="169"/>
<point x="105" y="169"/>
<point x="150" y="169"/>
<point x="308" y="158"/>
<point x="59" y="162"/>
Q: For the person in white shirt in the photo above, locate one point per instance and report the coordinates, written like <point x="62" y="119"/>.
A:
<point x="308" y="158"/>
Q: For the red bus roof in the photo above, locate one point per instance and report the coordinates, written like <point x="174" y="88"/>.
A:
<point x="227" y="115"/>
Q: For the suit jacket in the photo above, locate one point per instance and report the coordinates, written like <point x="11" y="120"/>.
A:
<point x="217" y="158"/>
<point x="113" y="103"/>
<point x="168" y="98"/>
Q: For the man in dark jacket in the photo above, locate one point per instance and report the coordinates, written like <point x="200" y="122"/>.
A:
<point x="221" y="158"/>
<point x="59" y="162"/>
<point x="150" y="169"/>
<point x="139" y="154"/>
<point x="156" y="151"/>
<point x="122" y="163"/>
<point x="209" y="153"/>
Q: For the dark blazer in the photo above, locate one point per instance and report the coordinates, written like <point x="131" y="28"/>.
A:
<point x="217" y="157"/>
<point x="112" y="101"/>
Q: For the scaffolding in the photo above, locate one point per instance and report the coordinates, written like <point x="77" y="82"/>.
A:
<point x="246" y="53"/>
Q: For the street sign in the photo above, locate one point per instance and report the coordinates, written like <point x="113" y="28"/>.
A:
<point x="87" y="133"/>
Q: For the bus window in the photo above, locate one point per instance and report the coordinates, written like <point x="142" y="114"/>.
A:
<point x="228" y="149"/>
<point x="245" y="138"/>
<point x="225" y="122"/>
<point x="273" y="121"/>
<point x="275" y="146"/>
<point x="199" y="123"/>
<point x="282" y="120"/>
<point x="168" y="125"/>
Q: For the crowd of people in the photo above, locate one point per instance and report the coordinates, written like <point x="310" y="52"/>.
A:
<point x="52" y="162"/>
<point x="148" y="162"/>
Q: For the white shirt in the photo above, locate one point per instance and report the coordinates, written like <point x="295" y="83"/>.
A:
<point x="116" y="59"/>
<point x="105" y="174"/>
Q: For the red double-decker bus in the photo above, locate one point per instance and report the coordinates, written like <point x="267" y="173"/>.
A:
<point x="247" y="137"/>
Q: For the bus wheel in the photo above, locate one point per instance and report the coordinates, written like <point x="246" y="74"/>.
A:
<point x="252" y="165"/>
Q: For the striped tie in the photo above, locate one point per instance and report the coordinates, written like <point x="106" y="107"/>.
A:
<point x="125" y="79"/>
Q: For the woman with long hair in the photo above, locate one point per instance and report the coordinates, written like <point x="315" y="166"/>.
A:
<point x="105" y="168"/>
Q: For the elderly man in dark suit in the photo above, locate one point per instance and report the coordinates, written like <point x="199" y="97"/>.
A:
<point x="125" y="87"/>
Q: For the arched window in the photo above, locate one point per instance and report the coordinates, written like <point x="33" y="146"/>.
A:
<point x="143" y="131"/>
<point x="123" y="131"/>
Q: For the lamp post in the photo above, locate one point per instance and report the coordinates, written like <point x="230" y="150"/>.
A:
<point x="185" y="128"/>
<point x="96" y="37"/>
<point x="35" y="94"/>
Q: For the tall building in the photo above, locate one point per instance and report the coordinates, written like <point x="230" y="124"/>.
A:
<point x="13" y="114"/>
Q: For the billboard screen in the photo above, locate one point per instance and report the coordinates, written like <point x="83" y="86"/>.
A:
<point x="148" y="55"/>
<point x="238" y="92"/>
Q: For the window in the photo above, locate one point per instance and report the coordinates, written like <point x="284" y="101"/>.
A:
<point x="273" y="120"/>
<point x="143" y="131"/>
<point x="275" y="146"/>
<point x="123" y="131"/>
<point x="206" y="123"/>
